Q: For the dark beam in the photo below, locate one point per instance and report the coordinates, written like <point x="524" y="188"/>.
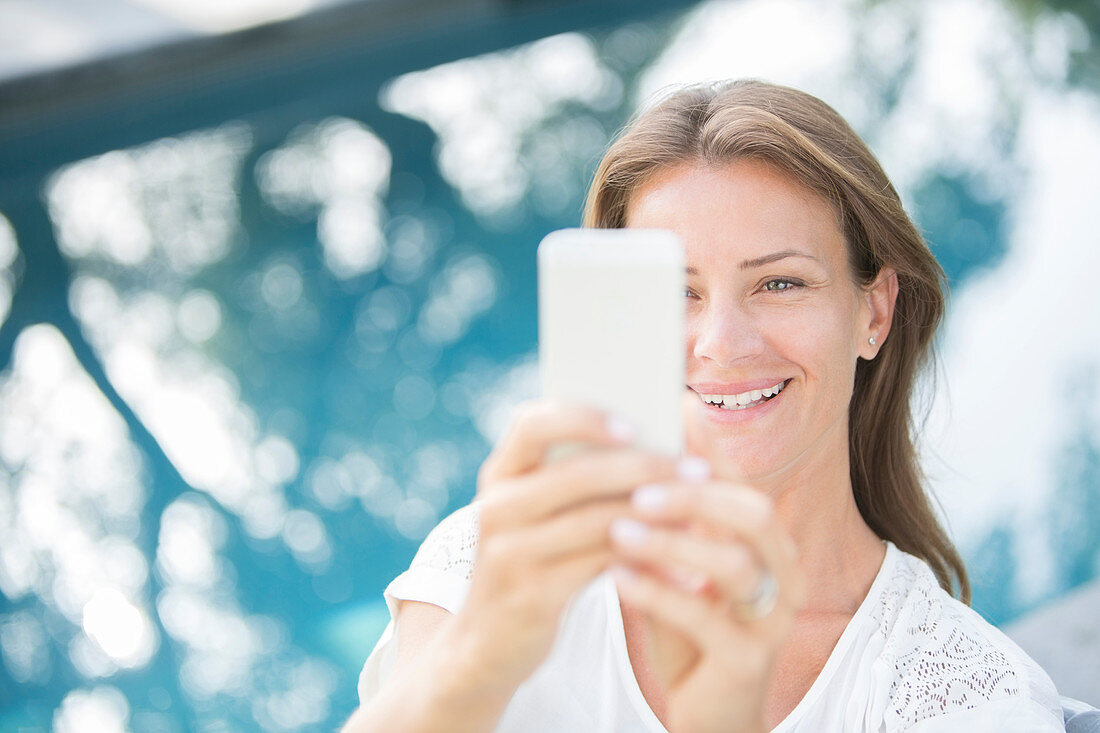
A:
<point x="343" y="51"/>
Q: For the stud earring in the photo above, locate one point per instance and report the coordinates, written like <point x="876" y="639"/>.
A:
<point x="872" y="341"/>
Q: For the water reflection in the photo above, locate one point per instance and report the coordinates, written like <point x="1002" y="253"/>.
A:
<point x="118" y="627"/>
<point x="485" y="112"/>
<point x="932" y="86"/>
<point x="170" y="342"/>
<point x="68" y="518"/>
<point x="172" y="203"/>
<point x="500" y="391"/>
<point x="26" y="651"/>
<point x="228" y="651"/>
<point x="9" y="264"/>
<point x="198" y="316"/>
<point x="189" y="402"/>
<point x="1031" y="457"/>
<point x="413" y="244"/>
<point x="466" y="288"/>
<point x="338" y="171"/>
<point x="326" y="364"/>
<point x="161" y="335"/>
<point x="102" y="709"/>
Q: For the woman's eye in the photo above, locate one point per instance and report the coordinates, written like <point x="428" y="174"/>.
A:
<point x="779" y="285"/>
<point x="688" y="293"/>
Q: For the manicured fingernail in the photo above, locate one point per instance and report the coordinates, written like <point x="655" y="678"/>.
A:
<point x="649" y="498"/>
<point x="628" y="532"/>
<point x="693" y="468"/>
<point x="620" y="429"/>
<point x="622" y="575"/>
<point x="690" y="581"/>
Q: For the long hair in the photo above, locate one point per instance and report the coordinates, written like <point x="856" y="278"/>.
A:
<point x="802" y="136"/>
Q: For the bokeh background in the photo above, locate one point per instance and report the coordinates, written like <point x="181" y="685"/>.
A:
<point x="267" y="297"/>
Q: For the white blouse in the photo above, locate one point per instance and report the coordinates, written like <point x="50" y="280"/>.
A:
<point x="911" y="659"/>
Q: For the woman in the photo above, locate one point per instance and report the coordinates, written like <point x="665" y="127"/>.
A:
<point x="789" y="575"/>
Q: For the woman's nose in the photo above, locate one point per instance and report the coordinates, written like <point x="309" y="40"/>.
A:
<point x="724" y="336"/>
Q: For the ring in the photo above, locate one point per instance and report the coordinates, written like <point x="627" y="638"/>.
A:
<point x="763" y="600"/>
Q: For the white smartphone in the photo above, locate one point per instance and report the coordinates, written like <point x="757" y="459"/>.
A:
<point x="611" y="326"/>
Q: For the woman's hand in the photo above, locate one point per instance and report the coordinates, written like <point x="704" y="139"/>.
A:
<point x="693" y="566"/>
<point x="544" y="531"/>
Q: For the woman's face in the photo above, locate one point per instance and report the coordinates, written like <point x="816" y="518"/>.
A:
<point x="775" y="322"/>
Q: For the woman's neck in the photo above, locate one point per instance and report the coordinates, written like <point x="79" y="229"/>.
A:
<point x="839" y="554"/>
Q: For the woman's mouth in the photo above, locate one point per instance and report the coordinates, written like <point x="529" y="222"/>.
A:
<point x="744" y="400"/>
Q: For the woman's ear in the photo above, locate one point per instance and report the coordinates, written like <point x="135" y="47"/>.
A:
<point x="879" y="300"/>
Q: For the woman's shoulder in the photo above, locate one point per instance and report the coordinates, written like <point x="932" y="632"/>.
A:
<point x="942" y="656"/>
<point x="452" y="546"/>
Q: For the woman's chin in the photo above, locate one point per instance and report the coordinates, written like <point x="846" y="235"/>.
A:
<point x="739" y="460"/>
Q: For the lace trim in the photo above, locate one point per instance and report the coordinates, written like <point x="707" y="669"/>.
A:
<point x="452" y="546"/>
<point x="942" y="660"/>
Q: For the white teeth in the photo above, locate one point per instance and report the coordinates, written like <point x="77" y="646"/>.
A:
<point x="738" y="401"/>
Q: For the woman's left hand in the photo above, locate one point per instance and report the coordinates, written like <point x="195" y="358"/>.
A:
<point x="708" y="561"/>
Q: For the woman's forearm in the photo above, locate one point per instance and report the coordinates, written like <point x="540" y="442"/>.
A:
<point x="446" y="687"/>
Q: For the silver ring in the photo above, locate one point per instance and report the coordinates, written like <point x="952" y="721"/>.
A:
<point x="764" y="599"/>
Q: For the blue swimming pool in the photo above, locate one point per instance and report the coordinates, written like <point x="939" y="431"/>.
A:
<point x="259" y="330"/>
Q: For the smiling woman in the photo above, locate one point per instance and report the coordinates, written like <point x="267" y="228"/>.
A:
<point x="818" y="191"/>
<point x="789" y="573"/>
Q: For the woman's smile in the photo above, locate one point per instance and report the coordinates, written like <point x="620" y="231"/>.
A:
<point x="738" y="402"/>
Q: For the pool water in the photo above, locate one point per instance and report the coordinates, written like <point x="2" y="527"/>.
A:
<point x="250" y="363"/>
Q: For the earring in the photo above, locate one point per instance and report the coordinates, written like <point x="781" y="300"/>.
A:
<point x="872" y="341"/>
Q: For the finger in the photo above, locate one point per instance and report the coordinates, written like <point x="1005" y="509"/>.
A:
<point x="590" y="476"/>
<point x="572" y="573"/>
<point x="694" y="616"/>
<point x="537" y="599"/>
<point x="540" y="424"/>
<point x="725" y="567"/>
<point x="580" y="530"/>
<point x="729" y="655"/>
<point x="558" y="581"/>
<point x="721" y="509"/>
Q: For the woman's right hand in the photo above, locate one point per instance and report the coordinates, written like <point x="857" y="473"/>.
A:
<point x="544" y="530"/>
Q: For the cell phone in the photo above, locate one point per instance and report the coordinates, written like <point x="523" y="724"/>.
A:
<point x="611" y="327"/>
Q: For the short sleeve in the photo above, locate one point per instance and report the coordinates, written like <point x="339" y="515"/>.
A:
<point x="1009" y="715"/>
<point x="951" y="670"/>
<point x="439" y="574"/>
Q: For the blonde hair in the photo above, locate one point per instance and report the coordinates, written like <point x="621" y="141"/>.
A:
<point x="802" y="136"/>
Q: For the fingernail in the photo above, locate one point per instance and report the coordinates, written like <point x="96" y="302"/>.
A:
<point x="628" y="532"/>
<point x="693" y="468"/>
<point x="622" y="574"/>
<point x="620" y="429"/>
<point x="649" y="498"/>
<point x="690" y="581"/>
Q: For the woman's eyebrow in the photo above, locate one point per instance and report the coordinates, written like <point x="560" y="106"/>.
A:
<point x="765" y="260"/>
